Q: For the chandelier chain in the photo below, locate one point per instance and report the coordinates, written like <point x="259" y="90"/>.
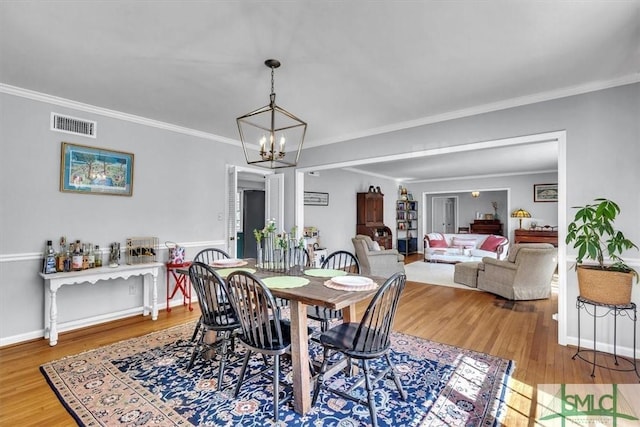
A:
<point x="272" y="79"/>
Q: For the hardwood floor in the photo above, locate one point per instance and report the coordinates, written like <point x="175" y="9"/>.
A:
<point x="521" y="331"/>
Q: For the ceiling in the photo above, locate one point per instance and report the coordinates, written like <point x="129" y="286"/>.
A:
<point x="349" y="68"/>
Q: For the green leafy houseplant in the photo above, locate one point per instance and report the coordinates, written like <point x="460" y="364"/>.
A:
<point x="594" y="236"/>
<point x="592" y="233"/>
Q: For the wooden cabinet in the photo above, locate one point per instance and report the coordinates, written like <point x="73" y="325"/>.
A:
<point x="407" y="226"/>
<point x="370" y="209"/>
<point x="370" y="218"/>
<point x="536" y="236"/>
<point x="486" y="226"/>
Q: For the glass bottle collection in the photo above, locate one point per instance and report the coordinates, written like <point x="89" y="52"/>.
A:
<point x="71" y="257"/>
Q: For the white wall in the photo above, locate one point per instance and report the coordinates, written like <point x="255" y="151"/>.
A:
<point x="602" y="151"/>
<point x="337" y="222"/>
<point x="178" y="193"/>
<point x="178" y="188"/>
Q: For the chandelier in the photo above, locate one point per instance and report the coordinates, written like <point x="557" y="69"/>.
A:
<point x="271" y="136"/>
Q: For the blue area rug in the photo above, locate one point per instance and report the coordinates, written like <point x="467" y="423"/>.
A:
<point x="143" y="381"/>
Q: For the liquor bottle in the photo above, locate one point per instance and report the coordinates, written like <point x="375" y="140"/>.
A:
<point x="61" y="256"/>
<point x="76" y="260"/>
<point x="67" y="259"/>
<point x="91" y="256"/>
<point x="49" y="265"/>
<point x="98" y="256"/>
<point x="85" y="256"/>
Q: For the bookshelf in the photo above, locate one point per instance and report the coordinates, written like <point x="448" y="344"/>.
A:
<point x="407" y="226"/>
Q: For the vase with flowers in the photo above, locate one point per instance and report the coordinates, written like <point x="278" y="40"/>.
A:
<point x="277" y="251"/>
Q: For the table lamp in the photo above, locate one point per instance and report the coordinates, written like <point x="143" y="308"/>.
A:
<point x="520" y="213"/>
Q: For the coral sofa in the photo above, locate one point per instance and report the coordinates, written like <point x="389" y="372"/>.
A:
<point x="444" y="247"/>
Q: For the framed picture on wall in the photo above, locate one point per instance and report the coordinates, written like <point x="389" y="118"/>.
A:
<point x="312" y="198"/>
<point x="545" y="192"/>
<point x="92" y="170"/>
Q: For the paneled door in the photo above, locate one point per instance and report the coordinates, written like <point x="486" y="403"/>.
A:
<point x="444" y="214"/>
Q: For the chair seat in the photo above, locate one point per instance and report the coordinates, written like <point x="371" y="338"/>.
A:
<point x="223" y="319"/>
<point x="342" y="338"/>
<point x="285" y="328"/>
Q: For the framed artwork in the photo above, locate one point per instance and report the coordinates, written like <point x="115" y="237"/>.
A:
<point x="312" y="198"/>
<point x="92" y="170"/>
<point x="545" y="192"/>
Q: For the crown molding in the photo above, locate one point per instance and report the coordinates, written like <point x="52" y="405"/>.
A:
<point x="482" y="109"/>
<point x="50" y="99"/>
<point x="437" y="118"/>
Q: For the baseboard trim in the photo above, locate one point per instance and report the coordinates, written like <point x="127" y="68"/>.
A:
<point x="90" y="321"/>
<point x="600" y="346"/>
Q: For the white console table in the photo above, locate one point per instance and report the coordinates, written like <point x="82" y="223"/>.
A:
<point x="53" y="282"/>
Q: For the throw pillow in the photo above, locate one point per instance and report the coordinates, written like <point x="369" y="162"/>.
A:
<point x="437" y="240"/>
<point x="492" y="242"/>
<point x="375" y="246"/>
<point x="459" y="242"/>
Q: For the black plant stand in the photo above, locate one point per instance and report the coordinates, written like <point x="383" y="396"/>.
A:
<point x="628" y="310"/>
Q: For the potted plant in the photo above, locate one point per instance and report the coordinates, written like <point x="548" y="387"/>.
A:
<point x="593" y="235"/>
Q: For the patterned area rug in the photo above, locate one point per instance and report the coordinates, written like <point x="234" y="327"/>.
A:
<point x="143" y="382"/>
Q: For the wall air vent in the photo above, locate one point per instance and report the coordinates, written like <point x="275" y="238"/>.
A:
<point x="73" y="125"/>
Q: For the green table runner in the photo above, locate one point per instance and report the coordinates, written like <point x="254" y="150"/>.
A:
<point x="281" y="282"/>
<point x="324" y="272"/>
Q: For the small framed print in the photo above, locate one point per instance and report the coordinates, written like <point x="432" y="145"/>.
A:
<point x="312" y="198"/>
<point x="92" y="170"/>
<point x="545" y="192"/>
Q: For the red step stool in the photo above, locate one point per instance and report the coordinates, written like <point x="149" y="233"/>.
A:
<point x="182" y="284"/>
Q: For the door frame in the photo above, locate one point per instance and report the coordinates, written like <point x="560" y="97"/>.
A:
<point x="433" y="209"/>
<point x="232" y="199"/>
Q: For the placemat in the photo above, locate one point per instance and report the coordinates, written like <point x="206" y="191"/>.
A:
<point x="224" y="272"/>
<point x="333" y="285"/>
<point x="281" y="282"/>
<point x="324" y="272"/>
<point x="226" y="263"/>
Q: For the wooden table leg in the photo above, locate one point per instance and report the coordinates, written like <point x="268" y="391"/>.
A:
<point x="349" y="314"/>
<point x="300" y="358"/>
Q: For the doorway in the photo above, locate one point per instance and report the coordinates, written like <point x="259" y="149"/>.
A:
<point x="444" y="214"/>
<point x="253" y="208"/>
<point x="239" y="179"/>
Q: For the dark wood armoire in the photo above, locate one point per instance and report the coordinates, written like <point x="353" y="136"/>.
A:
<point x="370" y="218"/>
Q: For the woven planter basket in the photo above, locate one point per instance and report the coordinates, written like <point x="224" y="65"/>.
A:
<point x="605" y="287"/>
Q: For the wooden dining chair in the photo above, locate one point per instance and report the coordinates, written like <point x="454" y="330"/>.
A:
<point x="263" y="330"/>
<point x="364" y="341"/>
<point x="338" y="260"/>
<point x="207" y="256"/>
<point x="216" y="315"/>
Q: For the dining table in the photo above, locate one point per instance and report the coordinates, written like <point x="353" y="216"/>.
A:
<point x="314" y="291"/>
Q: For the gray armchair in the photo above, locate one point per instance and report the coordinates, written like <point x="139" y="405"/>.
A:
<point x="382" y="263"/>
<point x="525" y="275"/>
